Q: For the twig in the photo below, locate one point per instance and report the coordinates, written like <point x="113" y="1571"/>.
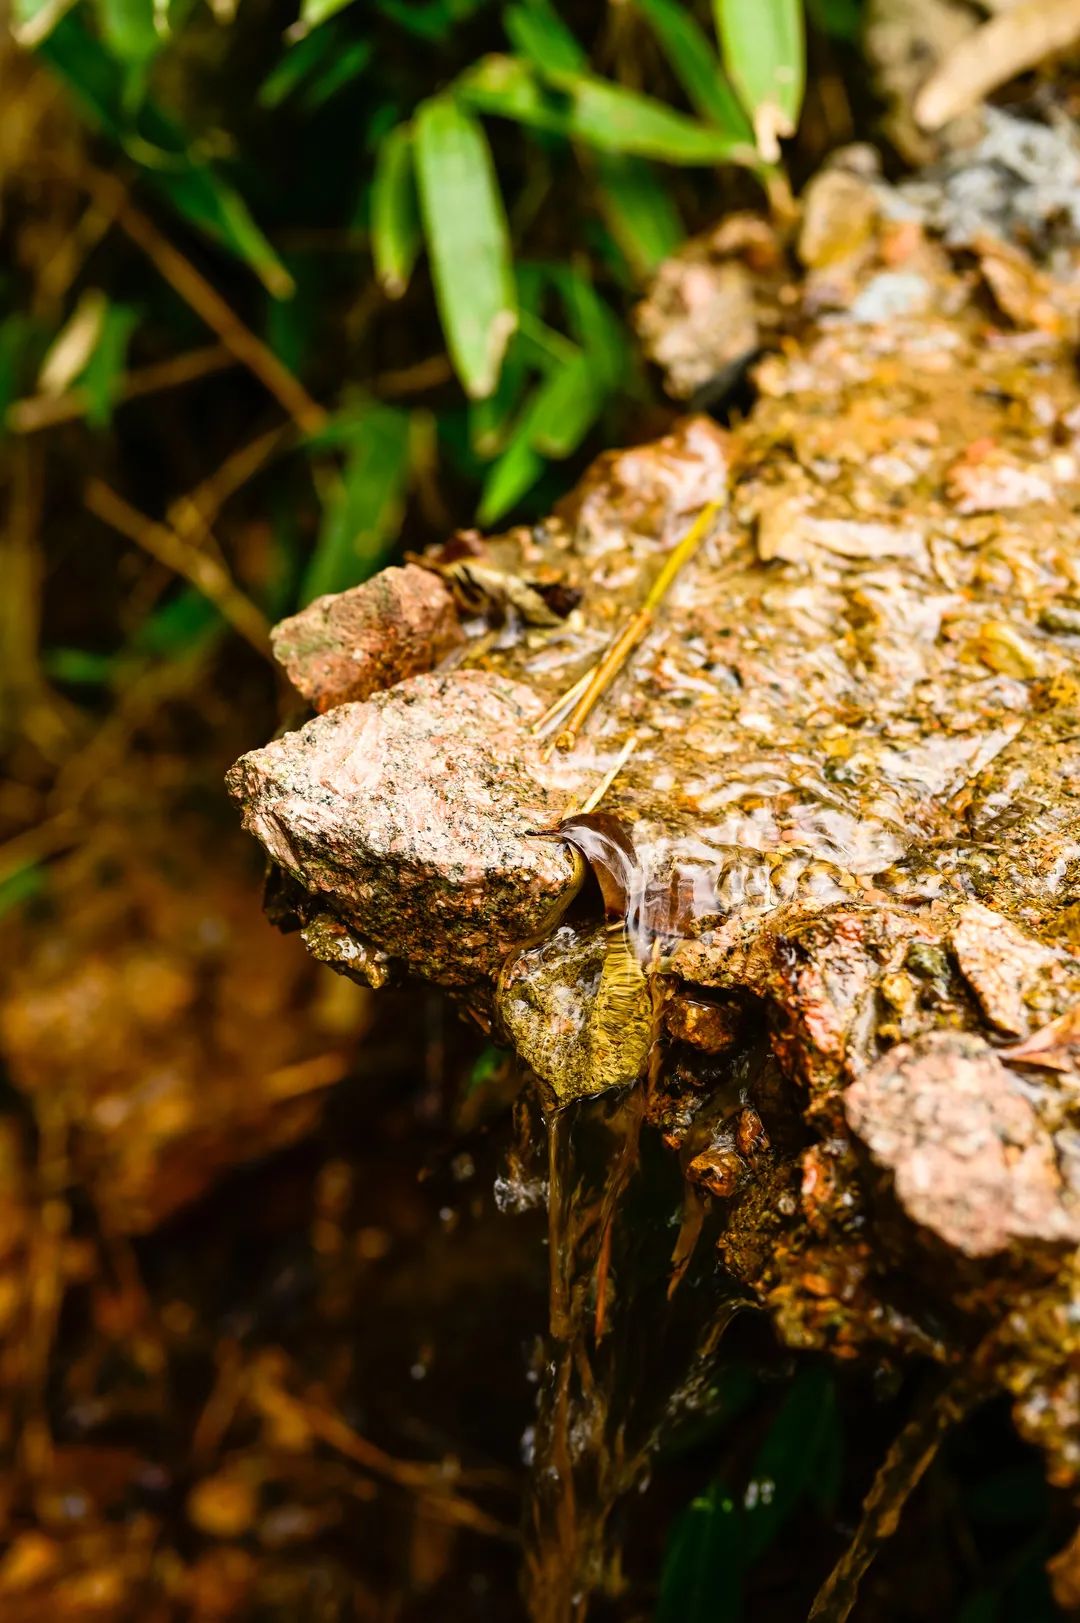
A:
<point x="1005" y="46"/>
<point x="608" y="779"/>
<point x="415" y="379"/>
<point x="612" y="662"/>
<point x="192" y="514"/>
<point x="430" y="1481"/>
<point x="206" y="574"/>
<point x="207" y="303"/>
<point x="563" y="702"/>
<point x="33" y="845"/>
<point x="36" y="412"/>
<point x="899" y="1475"/>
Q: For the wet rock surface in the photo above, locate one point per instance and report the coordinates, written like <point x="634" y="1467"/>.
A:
<point x="410" y="816"/>
<point x="352" y="644"/>
<point x="844" y="747"/>
<point x="963" y="1147"/>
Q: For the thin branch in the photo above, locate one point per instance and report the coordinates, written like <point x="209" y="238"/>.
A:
<point x="996" y="52"/>
<point x="415" y="379"/>
<point x="207" y="303"/>
<point x="612" y="662"/>
<point x="563" y="702"/>
<point x="608" y="779"/>
<point x="193" y="513"/>
<point x="900" y="1473"/>
<point x="206" y="574"/>
<point x="36" y="412"/>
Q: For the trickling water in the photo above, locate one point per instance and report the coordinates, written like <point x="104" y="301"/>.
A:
<point x="628" y="1340"/>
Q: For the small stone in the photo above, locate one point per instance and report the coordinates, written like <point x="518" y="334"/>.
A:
<point x="718" y="1170"/>
<point x="352" y="644"/>
<point x="966" y="1153"/>
<point x="711" y="1026"/>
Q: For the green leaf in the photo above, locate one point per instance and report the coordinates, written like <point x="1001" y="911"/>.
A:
<point x="360" y="525"/>
<point x="130" y="30"/>
<point x="349" y="63"/>
<point x="487" y="1064"/>
<point x="515" y="473"/>
<point x="80" y="667"/>
<point x="595" y="326"/>
<point x="20" y="885"/>
<point x="302" y="59"/>
<point x="536" y="31"/>
<point x="840" y="19"/>
<point x="182" y="623"/>
<point x="801" y="1437"/>
<point x="468" y="240"/>
<point x="565" y="408"/>
<point x="696" y="65"/>
<point x="491" y="420"/>
<point x="34" y="20"/>
<point x="395" y="216"/>
<point x="555" y="420"/>
<point x="764" y="52"/>
<point x="588" y="109"/>
<point x="639" y="211"/>
<point x="210" y="203"/>
<point x="104" y="371"/>
<point x="313" y="13"/>
<point x="194" y="189"/>
<point x="433" y="22"/>
<point x="701" y="1581"/>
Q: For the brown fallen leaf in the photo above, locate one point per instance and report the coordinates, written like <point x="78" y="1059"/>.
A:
<point x="1053" y="1046"/>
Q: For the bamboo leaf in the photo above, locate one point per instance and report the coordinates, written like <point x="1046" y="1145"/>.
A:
<point x="300" y="60"/>
<point x="131" y="29"/>
<point x="555" y="420"/>
<point x="350" y="62"/>
<point x="696" y="65"/>
<point x="639" y="211"/>
<point x="595" y="327"/>
<point x="395" y="218"/>
<point x="468" y="240"/>
<point x="799" y="1441"/>
<point x="536" y="31"/>
<point x="566" y="406"/>
<point x="701" y="1580"/>
<point x="764" y="51"/>
<point x="74" y="344"/>
<point x="104" y="370"/>
<point x="600" y="114"/>
<point x="315" y="12"/>
<point x="195" y="190"/>
<point x="360" y="525"/>
<point x="515" y="473"/>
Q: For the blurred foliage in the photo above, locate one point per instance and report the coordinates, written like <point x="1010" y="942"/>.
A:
<point x="717" y="1540"/>
<point x="513" y="169"/>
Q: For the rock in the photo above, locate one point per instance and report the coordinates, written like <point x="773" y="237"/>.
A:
<point x="1000" y="963"/>
<point x="410" y="814"/>
<point x="963" y="1147"/>
<point x="353" y="644"/>
<point x="842" y="749"/>
<point x="709" y="306"/>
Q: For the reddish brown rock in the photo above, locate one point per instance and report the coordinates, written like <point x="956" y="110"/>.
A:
<point x="1001" y="964"/>
<point x="963" y="1147"/>
<point x="356" y="643"/>
<point x="410" y="816"/>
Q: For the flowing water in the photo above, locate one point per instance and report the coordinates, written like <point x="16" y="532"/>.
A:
<point x="633" y="1323"/>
